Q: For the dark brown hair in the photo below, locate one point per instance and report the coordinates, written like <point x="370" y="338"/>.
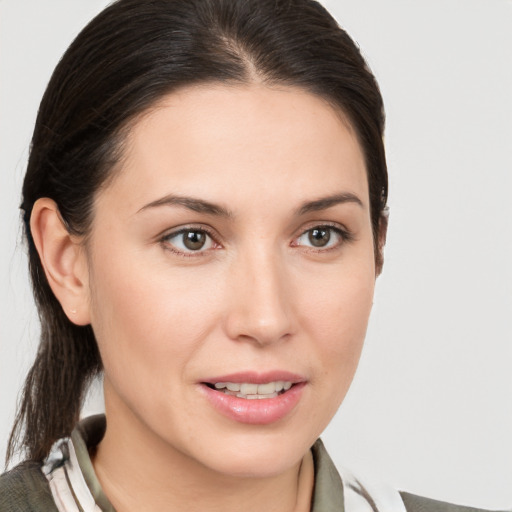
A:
<point x="125" y="60"/>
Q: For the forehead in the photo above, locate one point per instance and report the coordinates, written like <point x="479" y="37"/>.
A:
<point x="233" y="142"/>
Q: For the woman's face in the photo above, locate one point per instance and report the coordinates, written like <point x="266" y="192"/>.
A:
<point x="232" y="255"/>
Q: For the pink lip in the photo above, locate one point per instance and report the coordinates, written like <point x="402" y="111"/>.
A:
<point x="257" y="377"/>
<point x="259" y="411"/>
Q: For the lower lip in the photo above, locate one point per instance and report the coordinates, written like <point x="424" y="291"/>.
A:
<point x="259" y="411"/>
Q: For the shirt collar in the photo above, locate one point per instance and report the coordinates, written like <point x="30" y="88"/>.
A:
<point x="328" y="487"/>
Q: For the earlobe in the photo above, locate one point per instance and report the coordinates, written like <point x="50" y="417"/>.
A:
<point x="63" y="259"/>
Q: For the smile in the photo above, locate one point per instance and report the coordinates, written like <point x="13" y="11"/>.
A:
<point x="254" y="398"/>
<point x="251" y="391"/>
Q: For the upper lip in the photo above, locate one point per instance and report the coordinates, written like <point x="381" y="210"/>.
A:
<point x="257" y="377"/>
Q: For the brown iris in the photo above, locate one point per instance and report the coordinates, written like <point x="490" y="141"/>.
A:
<point x="194" y="240"/>
<point x="319" y="237"/>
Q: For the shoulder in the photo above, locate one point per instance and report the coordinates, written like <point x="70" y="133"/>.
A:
<point x="337" y="489"/>
<point x="25" y="489"/>
<point x="419" y="504"/>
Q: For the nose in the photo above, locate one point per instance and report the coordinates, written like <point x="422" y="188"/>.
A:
<point x="260" y="300"/>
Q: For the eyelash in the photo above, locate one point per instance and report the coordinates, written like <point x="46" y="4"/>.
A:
<point x="188" y="229"/>
<point x="344" y="235"/>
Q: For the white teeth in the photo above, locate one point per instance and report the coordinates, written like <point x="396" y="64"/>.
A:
<point x="257" y="397"/>
<point x="265" y="389"/>
<point x="248" y="389"/>
<point x="253" y="391"/>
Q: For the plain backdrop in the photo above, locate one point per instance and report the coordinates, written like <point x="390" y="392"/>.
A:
<point x="430" y="410"/>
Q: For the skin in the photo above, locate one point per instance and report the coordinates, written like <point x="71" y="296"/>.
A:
<point x="258" y="296"/>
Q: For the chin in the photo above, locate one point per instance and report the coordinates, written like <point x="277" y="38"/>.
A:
<point x="255" y="455"/>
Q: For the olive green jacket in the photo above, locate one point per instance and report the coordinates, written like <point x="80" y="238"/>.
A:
<point x="25" y="488"/>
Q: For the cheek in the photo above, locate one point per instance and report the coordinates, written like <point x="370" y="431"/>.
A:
<point x="337" y="305"/>
<point x="144" y="318"/>
<point x="336" y="317"/>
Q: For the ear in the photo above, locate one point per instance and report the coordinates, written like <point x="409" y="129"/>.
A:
<point x="63" y="259"/>
<point x="381" y="242"/>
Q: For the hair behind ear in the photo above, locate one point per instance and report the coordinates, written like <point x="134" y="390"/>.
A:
<point x="55" y="380"/>
<point x="381" y="241"/>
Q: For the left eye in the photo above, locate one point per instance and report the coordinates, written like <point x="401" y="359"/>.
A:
<point x="190" y="240"/>
<point x="321" y="237"/>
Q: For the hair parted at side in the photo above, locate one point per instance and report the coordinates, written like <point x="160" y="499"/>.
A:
<point x="126" y="59"/>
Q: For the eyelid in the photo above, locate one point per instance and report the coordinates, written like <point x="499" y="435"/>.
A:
<point x="166" y="235"/>
<point x="346" y="236"/>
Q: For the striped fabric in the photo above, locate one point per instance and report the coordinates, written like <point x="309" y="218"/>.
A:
<point x="67" y="484"/>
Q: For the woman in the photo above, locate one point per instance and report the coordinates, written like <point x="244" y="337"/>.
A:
<point x="205" y="211"/>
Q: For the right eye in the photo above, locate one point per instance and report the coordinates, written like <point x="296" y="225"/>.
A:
<point x="189" y="240"/>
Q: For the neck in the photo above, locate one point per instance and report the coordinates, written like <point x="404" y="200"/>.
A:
<point x="137" y="473"/>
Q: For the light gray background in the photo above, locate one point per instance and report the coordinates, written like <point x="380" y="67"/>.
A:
<point x="430" y="410"/>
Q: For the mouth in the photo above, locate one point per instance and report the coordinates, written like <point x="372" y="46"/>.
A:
<point x="255" y="398"/>
<point x="250" y="390"/>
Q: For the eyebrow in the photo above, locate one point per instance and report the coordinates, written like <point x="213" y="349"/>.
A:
<point x="202" y="206"/>
<point x="328" y="202"/>
<point x="194" y="204"/>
